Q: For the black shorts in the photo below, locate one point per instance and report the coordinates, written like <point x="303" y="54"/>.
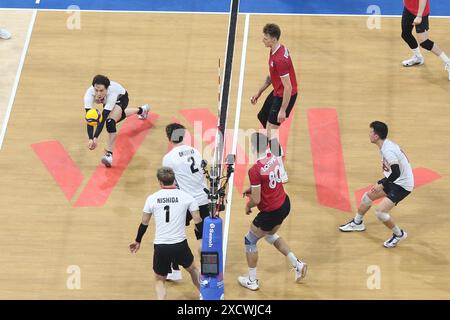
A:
<point x="204" y="212"/>
<point x="271" y="107"/>
<point x="122" y="101"/>
<point x="266" y="221"/>
<point x="407" y="21"/>
<point x="165" y="254"/>
<point x="395" y="193"/>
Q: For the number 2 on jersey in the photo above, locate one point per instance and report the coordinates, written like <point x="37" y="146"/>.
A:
<point x="193" y="168"/>
<point x="167" y="209"/>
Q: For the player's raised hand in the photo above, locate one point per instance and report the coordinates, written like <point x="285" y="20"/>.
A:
<point x="134" y="247"/>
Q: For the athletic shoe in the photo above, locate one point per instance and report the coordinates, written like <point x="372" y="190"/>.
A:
<point x="394" y="240"/>
<point x="447" y="67"/>
<point x="5" y="34"/>
<point x="175" y="275"/>
<point x="300" y="271"/>
<point x="415" y="60"/>
<point x="247" y="283"/>
<point x="144" y="114"/>
<point x="352" y="226"/>
<point x="107" y="159"/>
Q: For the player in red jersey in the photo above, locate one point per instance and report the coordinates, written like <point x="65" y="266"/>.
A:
<point x="267" y="193"/>
<point x="279" y="103"/>
<point x="416" y="13"/>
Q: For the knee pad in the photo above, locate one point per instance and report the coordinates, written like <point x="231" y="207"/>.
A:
<point x="111" y="125"/>
<point x="271" y="238"/>
<point x="250" y="242"/>
<point x="427" y="44"/>
<point x="382" y="216"/>
<point x="366" y="200"/>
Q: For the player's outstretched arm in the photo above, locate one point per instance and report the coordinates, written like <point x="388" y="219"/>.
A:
<point x="99" y="129"/>
<point x="92" y="141"/>
<point x="90" y="131"/>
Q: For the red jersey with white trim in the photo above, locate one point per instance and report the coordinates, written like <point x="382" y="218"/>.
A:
<point x="280" y="65"/>
<point x="266" y="173"/>
<point x="413" y="7"/>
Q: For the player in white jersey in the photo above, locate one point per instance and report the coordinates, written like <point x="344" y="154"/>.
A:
<point x="169" y="206"/>
<point x="114" y="98"/>
<point x="394" y="187"/>
<point x="186" y="163"/>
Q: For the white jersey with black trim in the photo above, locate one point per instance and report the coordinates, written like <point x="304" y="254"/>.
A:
<point x="392" y="154"/>
<point x="186" y="164"/>
<point x="169" y="207"/>
<point x="114" y="91"/>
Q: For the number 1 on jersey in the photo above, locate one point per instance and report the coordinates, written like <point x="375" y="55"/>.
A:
<point x="167" y="209"/>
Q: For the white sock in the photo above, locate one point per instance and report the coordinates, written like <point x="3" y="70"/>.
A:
<point x="358" y="218"/>
<point x="252" y="274"/>
<point x="397" y="231"/>
<point x="292" y="258"/>
<point x="444" y="58"/>
<point x="417" y="52"/>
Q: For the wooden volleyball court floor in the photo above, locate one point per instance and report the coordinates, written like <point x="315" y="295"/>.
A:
<point x="62" y="213"/>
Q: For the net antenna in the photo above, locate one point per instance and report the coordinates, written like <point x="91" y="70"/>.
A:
<point x="224" y="88"/>
<point x="214" y="176"/>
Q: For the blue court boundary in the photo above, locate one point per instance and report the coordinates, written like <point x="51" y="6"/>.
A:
<point x="332" y="7"/>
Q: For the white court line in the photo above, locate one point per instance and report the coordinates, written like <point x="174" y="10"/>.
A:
<point x="16" y="81"/>
<point x="119" y="11"/>
<point x="235" y="139"/>
<point x="239" y="13"/>
<point x="332" y="15"/>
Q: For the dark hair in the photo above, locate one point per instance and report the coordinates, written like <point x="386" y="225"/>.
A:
<point x="99" y="79"/>
<point x="272" y="30"/>
<point x="175" y="132"/>
<point x="166" y="176"/>
<point x="380" y="128"/>
<point x="259" y="142"/>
